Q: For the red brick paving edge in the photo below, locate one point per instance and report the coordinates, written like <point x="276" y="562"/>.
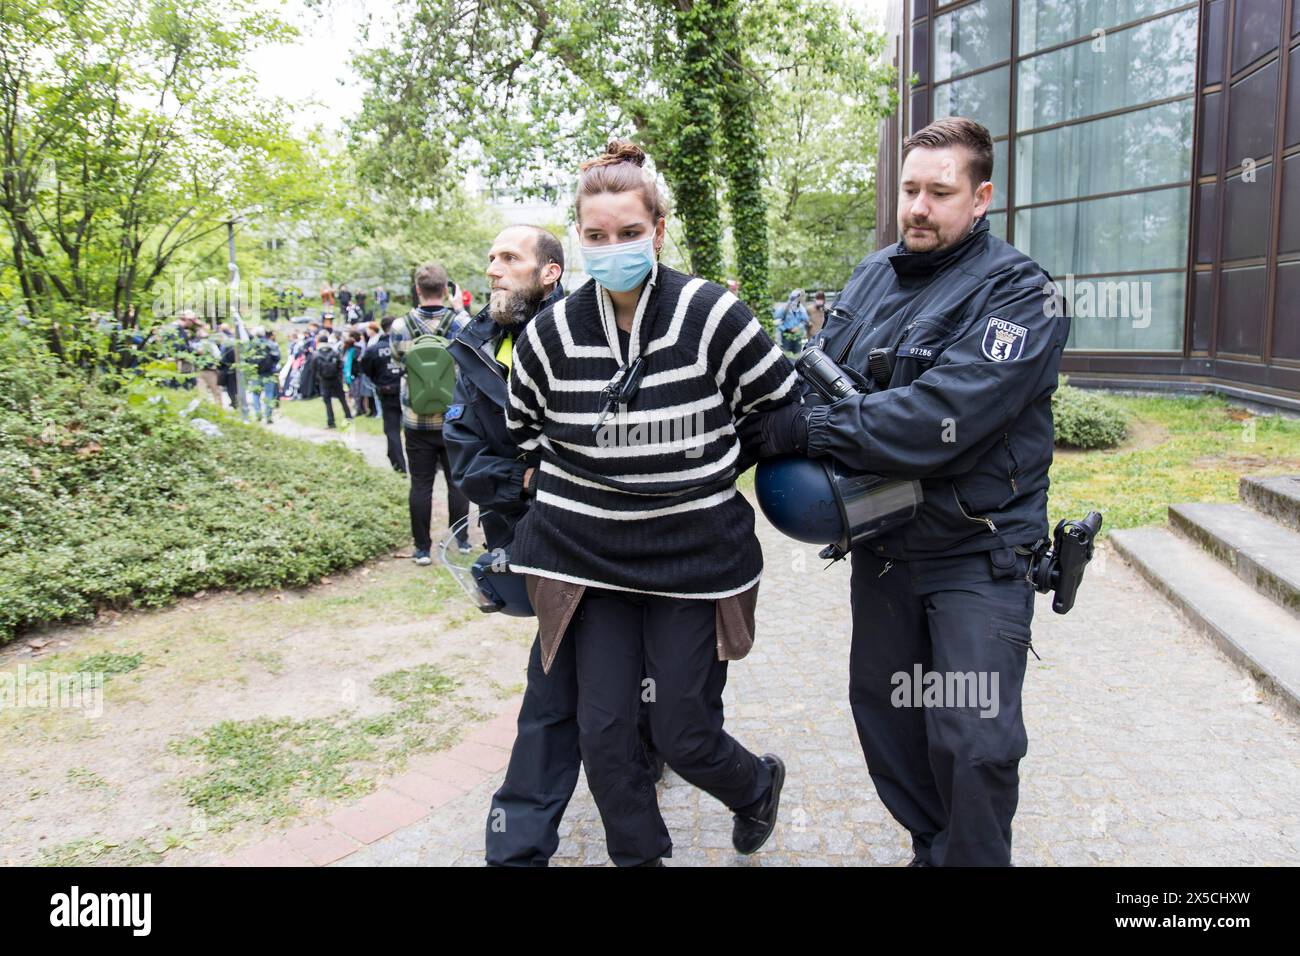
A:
<point x="430" y="781"/>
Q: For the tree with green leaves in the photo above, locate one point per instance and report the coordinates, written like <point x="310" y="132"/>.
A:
<point x="358" y="233"/>
<point x="128" y="134"/>
<point x="821" y="125"/>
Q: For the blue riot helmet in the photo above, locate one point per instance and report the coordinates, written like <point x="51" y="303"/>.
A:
<point x="819" y="501"/>
<point x="502" y="588"/>
<point x="488" y="580"/>
<point x="796" y="496"/>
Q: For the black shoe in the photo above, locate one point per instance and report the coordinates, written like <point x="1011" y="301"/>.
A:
<point x="750" y="831"/>
<point x="917" y="861"/>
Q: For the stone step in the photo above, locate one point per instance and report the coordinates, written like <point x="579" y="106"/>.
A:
<point x="1259" y="551"/>
<point x="1252" y="630"/>
<point x="1278" y="497"/>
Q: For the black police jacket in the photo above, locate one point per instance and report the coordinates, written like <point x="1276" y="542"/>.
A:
<point x="376" y="362"/>
<point x="976" y="332"/>
<point x="485" y="464"/>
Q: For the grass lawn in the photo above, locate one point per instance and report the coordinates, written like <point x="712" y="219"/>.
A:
<point x="311" y="412"/>
<point x="1178" y="449"/>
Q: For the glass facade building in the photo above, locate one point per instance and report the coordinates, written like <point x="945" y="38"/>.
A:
<point x="1147" y="154"/>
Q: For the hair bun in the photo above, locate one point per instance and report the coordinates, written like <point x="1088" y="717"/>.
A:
<point x="617" y="151"/>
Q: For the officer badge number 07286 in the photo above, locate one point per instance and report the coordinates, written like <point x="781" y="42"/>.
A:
<point x="1003" y="341"/>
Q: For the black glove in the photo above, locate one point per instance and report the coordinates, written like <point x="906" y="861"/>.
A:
<point x="780" y="431"/>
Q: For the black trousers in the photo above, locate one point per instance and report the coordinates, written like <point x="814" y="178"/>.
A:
<point x="615" y="635"/>
<point x="523" y="822"/>
<point x="237" y="401"/>
<point x="945" y="765"/>
<point x="425" y="452"/>
<point x="331" y="388"/>
<point x="392" y="409"/>
<point x="524" y="819"/>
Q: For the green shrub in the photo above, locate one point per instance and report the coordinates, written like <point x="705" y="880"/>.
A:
<point x="1086" y="419"/>
<point x="114" y="499"/>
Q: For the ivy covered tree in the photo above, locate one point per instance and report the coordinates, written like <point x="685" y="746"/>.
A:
<point x="691" y="140"/>
<point x="743" y="160"/>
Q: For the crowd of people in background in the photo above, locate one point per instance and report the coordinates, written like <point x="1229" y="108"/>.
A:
<point x="344" y="357"/>
<point x="212" y="360"/>
<point x="353" y="308"/>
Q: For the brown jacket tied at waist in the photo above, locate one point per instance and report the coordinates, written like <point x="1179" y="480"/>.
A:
<point x="556" y="601"/>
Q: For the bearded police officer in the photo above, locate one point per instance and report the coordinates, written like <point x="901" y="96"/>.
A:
<point x="956" y="339"/>
<point x="525" y="265"/>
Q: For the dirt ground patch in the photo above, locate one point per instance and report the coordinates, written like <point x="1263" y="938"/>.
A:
<point x="112" y="788"/>
<point x="1239" y="463"/>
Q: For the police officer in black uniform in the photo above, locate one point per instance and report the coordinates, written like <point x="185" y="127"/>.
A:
<point x="524" y="266"/>
<point x="377" y="364"/>
<point x="956" y="338"/>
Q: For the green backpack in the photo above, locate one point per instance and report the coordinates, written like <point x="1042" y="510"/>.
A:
<point x="430" y="369"/>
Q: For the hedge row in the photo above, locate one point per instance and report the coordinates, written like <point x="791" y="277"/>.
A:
<point x="116" y="501"/>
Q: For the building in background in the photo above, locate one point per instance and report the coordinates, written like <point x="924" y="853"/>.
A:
<point x="1148" y="155"/>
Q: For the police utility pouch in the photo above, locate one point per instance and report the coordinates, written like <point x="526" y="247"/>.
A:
<point x="1003" y="561"/>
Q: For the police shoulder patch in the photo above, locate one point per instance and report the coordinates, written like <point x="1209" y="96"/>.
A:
<point x="1003" y="341"/>
<point x="454" y="412"/>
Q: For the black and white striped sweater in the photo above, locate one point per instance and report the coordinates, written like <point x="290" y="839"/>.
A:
<point x="648" y="504"/>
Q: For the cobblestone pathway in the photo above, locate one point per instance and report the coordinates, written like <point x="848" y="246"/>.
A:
<point x="1146" y="746"/>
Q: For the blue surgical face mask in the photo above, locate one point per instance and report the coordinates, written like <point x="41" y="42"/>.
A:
<point x="620" y="267"/>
